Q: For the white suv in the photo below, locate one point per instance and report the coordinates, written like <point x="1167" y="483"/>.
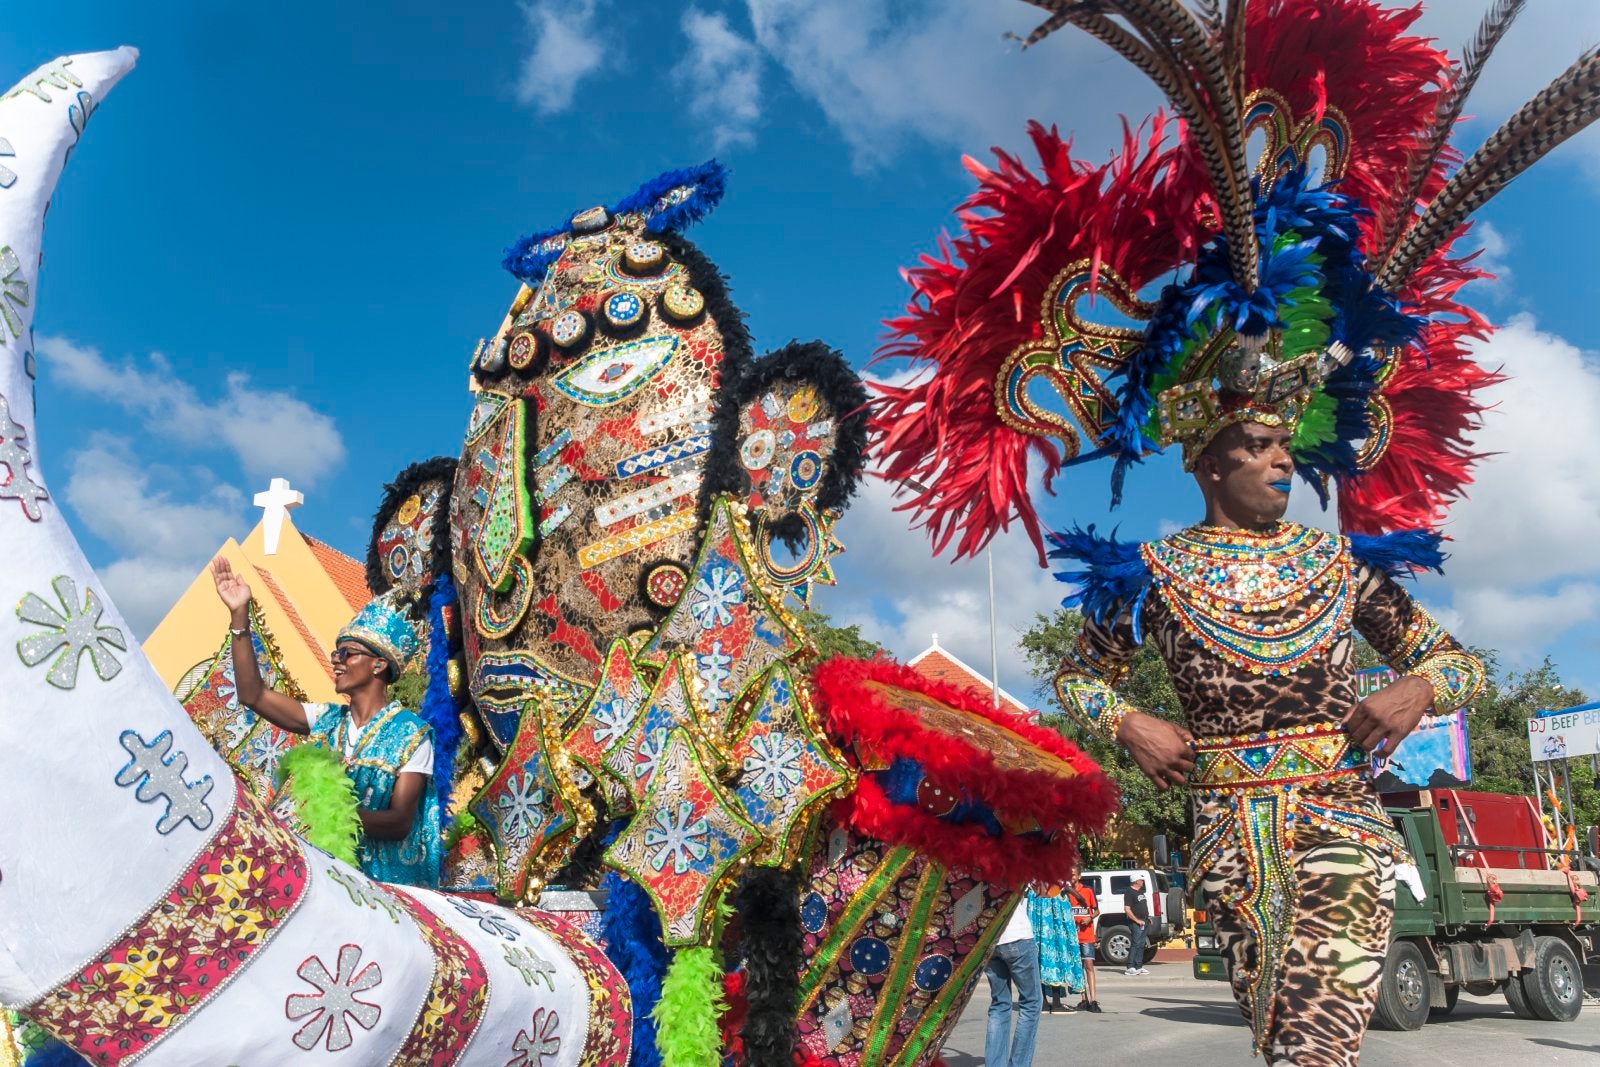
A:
<point x="1169" y="916"/>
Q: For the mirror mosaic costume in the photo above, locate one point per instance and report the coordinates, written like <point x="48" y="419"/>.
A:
<point x="1319" y="293"/>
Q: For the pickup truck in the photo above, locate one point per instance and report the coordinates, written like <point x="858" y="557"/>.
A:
<point x="1498" y="910"/>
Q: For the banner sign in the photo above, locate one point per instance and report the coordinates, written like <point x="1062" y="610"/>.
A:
<point x="1436" y="753"/>
<point x="1565" y="734"/>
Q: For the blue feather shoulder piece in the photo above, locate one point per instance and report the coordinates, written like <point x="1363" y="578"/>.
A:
<point x="1401" y="553"/>
<point x="1114" y="575"/>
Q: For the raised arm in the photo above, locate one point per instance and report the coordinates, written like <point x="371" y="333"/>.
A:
<point x="283" y="712"/>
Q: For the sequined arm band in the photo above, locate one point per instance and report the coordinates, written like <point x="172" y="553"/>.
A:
<point x="1430" y="653"/>
<point x="1086" y="689"/>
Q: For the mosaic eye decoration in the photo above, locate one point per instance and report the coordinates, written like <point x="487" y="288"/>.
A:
<point x="611" y="375"/>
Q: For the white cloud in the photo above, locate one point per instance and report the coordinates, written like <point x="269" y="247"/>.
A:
<point x="722" y="73"/>
<point x="166" y="538"/>
<point x="893" y="587"/>
<point x="1534" y="507"/>
<point x="944" y="72"/>
<point x="273" y="434"/>
<point x="567" y="48"/>
<point x="1521" y="624"/>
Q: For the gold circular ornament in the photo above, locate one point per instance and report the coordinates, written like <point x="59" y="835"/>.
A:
<point x="523" y="352"/>
<point x="682" y="303"/>
<point x="408" y="510"/>
<point x="644" y="257"/>
<point x="569" y="329"/>
<point x="591" y="220"/>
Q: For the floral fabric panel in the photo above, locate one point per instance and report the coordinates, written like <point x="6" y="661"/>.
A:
<point x="457" y="995"/>
<point x="231" y="902"/>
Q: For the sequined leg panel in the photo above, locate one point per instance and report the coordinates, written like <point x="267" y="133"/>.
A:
<point x="1327" y="983"/>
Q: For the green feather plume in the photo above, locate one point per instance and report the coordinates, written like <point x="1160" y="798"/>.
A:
<point x="1318" y="423"/>
<point x="686" y="1015"/>
<point x="324" y="797"/>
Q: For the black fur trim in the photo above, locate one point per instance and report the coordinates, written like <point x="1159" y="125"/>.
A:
<point x="840" y="388"/>
<point x="396" y="493"/>
<point x="768" y="904"/>
<point x="738" y="353"/>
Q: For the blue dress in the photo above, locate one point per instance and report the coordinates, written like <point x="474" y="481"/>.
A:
<point x="1060" y="963"/>
<point x="390" y="739"/>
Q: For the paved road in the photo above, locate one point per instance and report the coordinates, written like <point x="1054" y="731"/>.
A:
<point x="1168" y="1017"/>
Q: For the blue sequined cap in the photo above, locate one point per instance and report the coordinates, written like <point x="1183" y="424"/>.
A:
<point x="385" y="629"/>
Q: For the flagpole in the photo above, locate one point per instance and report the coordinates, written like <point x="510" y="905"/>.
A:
<point x="994" y="640"/>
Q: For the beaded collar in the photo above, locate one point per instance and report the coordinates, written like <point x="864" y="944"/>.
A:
<point x="1268" y="601"/>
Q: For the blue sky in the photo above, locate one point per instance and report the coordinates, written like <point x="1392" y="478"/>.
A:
<point x="278" y="244"/>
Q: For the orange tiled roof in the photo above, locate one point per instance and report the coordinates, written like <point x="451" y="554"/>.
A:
<point x="349" y="575"/>
<point x="294" y="616"/>
<point x="940" y="666"/>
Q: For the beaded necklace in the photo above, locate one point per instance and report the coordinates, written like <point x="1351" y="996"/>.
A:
<point x="1227" y="588"/>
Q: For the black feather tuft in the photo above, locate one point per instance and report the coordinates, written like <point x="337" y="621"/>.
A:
<point x="768" y="904"/>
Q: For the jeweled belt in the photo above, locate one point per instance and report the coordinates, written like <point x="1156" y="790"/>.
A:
<point x="1261" y="778"/>
<point x="1275" y="758"/>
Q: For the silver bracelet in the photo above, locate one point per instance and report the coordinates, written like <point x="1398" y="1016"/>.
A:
<point x="238" y="633"/>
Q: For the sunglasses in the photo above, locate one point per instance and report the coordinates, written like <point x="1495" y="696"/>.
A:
<point x="339" y="655"/>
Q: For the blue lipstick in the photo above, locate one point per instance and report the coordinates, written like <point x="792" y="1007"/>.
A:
<point x="1283" y="487"/>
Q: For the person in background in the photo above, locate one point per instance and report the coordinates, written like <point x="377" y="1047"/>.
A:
<point x="387" y="750"/>
<point x="1014" y="962"/>
<point x="1137" y="911"/>
<point x="1060" y="969"/>
<point x="1085" y="912"/>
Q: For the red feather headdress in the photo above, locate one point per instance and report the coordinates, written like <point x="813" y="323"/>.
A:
<point x="1355" y="285"/>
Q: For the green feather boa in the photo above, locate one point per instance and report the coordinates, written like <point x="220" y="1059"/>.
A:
<point x="324" y="797"/>
<point x="686" y="1015"/>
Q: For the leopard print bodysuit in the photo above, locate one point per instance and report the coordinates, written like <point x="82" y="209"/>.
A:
<point x="1256" y="630"/>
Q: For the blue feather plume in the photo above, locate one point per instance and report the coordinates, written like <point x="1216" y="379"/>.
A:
<point x="529" y="258"/>
<point x="438" y="705"/>
<point x="1115" y="575"/>
<point x="633" y="942"/>
<point x="706" y="183"/>
<point x="1401" y="553"/>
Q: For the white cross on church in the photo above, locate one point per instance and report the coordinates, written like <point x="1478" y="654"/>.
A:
<point x="276" y="502"/>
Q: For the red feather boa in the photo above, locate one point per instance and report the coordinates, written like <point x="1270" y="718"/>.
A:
<point x="877" y="732"/>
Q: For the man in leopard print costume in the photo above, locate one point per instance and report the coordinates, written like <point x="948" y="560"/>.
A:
<point x="1299" y="315"/>
<point x="1253" y="616"/>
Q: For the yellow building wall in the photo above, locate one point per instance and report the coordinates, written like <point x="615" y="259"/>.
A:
<point x="193" y="630"/>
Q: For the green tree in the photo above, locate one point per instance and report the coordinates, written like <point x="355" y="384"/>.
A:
<point x="834" y="640"/>
<point x="1497" y="734"/>
<point x="1147" y="687"/>
<point x="409" y="688"/>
